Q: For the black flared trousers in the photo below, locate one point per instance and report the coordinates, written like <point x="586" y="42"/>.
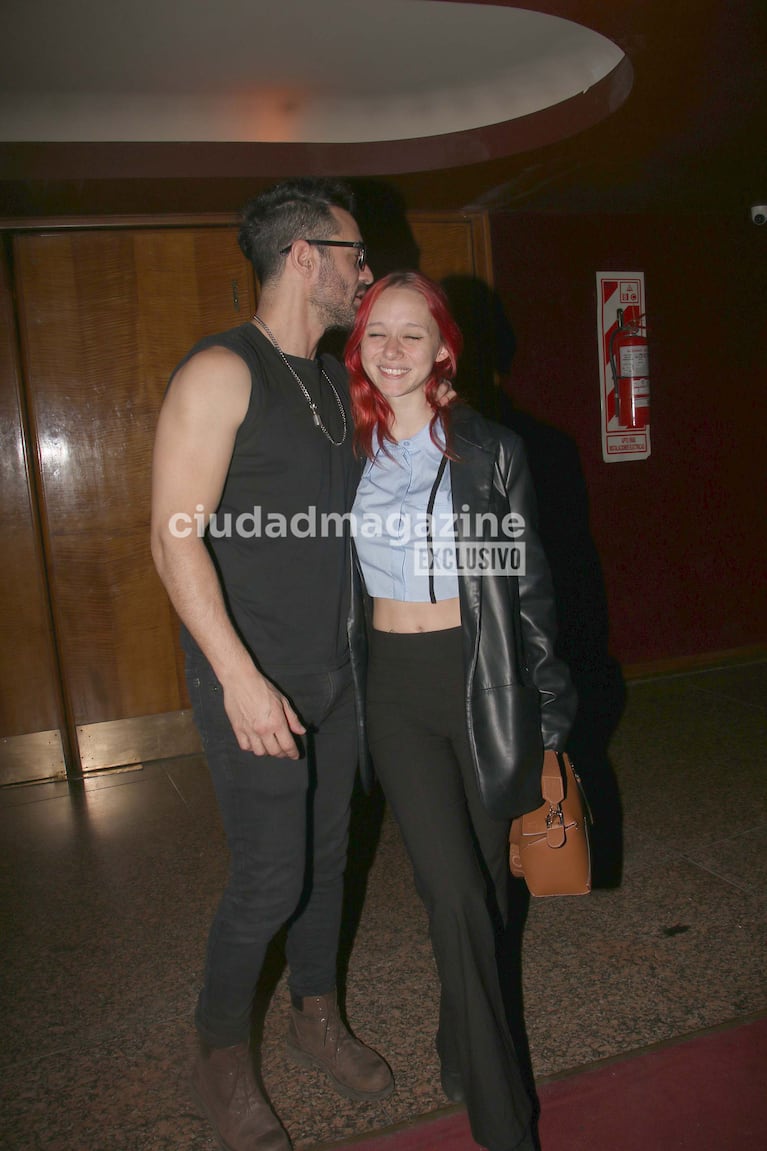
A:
<point x="420" y="750"/>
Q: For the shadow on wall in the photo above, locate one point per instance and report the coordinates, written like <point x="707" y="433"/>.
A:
<point x="381" y="213"/>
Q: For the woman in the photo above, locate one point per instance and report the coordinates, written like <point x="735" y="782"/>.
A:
<point x="450" y="641"/>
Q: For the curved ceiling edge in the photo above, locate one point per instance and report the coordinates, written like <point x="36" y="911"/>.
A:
<point x="156" y="160"/>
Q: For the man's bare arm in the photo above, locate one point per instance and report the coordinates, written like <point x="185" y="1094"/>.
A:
<point x="205" y="405"/>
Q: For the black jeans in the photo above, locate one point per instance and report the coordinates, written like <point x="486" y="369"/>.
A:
<point x="419" y="746"/>
<point x="286" y="823"/>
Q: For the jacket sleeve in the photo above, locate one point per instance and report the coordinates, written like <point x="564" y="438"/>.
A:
<point x="537" y="606"/>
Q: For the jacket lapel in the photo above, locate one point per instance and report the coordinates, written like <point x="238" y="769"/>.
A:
<point x="471" y="476"/>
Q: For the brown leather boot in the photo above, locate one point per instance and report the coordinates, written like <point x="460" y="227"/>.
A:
<point x="224" y="1087"/>
<point x="318" y="1038"/>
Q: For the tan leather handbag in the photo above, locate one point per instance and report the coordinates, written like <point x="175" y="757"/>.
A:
<point x="549" y="847"/>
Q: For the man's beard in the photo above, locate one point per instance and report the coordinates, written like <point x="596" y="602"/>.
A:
<point x="336" y="312"/>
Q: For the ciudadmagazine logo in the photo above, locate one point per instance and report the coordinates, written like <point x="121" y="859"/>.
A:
<point x="476" y="543"/>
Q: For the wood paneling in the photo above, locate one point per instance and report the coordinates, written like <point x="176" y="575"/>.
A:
<point x="104" y="318"/>
<point x="454" y="248"/>
<point x="452" y="244"/>
<point x="30" y="700"/>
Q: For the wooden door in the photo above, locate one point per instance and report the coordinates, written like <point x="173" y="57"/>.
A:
<point x="32" y="725"/>
<point x="104" y="316"/>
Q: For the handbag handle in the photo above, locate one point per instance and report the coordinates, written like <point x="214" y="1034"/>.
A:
<point x="552" y="779"/>
<point x="553" y="791"/>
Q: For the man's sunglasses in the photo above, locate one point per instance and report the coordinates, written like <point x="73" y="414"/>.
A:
<point x="358" y="244"/>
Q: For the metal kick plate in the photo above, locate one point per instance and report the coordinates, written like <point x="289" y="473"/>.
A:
<point x="37" y="756"/>
<point x="141" y="739"/>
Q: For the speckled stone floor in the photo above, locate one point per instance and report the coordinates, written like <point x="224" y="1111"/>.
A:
<point x="107" y="888"/>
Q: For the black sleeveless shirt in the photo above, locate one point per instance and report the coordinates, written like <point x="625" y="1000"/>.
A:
<point x="280" y="536"/>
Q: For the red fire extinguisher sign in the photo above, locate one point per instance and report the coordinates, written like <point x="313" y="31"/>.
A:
<point x="624" y="371"/>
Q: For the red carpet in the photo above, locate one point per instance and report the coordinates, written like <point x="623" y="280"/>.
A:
<point x="703" y="1094"/>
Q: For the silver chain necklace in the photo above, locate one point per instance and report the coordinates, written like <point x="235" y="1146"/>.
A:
<point x="316" y="417"/>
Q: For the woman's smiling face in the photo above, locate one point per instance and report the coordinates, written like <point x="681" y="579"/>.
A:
<point x="401" y="343"/>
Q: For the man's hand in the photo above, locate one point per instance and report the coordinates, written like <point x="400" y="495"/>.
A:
<point x="445" y="393"/>
<point x="261" y="717"/>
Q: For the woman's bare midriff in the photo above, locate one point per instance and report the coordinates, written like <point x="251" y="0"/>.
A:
<point x="395" y="616"/>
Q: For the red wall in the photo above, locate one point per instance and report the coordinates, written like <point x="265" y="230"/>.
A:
<point x="680" y="536"/>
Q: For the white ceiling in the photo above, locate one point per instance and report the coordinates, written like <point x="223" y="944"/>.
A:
<point x="299" y="71"/>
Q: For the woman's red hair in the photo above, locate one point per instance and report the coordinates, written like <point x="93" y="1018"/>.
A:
<point x="370" y="410"/>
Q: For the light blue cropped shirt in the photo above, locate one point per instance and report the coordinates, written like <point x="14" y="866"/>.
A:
<point x="390" y="522"/>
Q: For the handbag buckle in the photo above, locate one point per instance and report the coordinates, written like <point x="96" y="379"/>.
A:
<point x="555" y="826"/>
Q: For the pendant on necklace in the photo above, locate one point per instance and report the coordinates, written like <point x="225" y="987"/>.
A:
<point x="316" y="418"/>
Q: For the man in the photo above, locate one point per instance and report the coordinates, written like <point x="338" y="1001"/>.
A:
<point x="254" y="440"/>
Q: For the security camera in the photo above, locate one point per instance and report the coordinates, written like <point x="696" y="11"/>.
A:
<point x="759" y="214"/>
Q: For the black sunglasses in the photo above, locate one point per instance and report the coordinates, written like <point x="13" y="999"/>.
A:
<point x="358" y="244"/>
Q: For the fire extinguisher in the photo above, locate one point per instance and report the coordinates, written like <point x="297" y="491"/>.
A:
<point x="629" y="363"/>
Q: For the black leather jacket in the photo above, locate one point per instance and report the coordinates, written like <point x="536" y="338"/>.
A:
<point x="491" y="476"/>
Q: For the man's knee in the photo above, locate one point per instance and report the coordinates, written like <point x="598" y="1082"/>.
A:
<point x="269" y="895"/>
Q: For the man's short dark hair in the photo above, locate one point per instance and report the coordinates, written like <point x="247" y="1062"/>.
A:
<point x="290" y="211"/>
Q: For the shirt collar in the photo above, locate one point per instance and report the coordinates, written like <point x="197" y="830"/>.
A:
<point x="413" y="445"/>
